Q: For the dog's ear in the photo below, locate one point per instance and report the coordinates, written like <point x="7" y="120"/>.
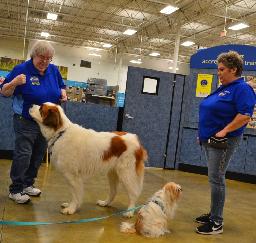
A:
<point x="51" y="117"/>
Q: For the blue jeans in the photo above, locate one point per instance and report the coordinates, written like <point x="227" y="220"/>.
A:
<point x="218" y="160"/>
<point x="30" y="147"/>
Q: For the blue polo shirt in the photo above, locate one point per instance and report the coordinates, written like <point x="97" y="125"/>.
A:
<point x="38" y="88"/>
<point x="220" y="108"/>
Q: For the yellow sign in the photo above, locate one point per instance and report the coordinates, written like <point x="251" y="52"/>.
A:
<point x="204" y="85"/>
<point x="63" y="72"/>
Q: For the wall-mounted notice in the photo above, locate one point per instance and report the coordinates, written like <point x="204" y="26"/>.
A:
<point x="204" y="85"/>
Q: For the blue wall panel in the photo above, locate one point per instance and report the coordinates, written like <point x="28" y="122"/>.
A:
<point x="6" y="124"/>
<point x="250" y="162"/>
<point x="175" y="122"/>
<point x="151" y="113"/>
<point x="94" y="116"/>
<point x="190" y="151"/>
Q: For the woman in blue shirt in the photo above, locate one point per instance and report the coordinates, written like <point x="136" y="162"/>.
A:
<point x="33" y="82"/>
<point x="224" y="113"/>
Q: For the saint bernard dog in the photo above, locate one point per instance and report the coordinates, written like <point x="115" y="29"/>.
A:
<point x="152" y="219"/>
<point x="80" y="153"/>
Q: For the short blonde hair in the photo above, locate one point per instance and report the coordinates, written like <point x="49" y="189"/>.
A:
<point x="231" y="59"/>
<point x="41" y="48"/>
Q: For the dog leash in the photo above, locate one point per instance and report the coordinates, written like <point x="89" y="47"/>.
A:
<point x="33" y="223"/>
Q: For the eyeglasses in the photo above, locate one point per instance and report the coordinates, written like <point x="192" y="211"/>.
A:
<point x="46" y="59"/>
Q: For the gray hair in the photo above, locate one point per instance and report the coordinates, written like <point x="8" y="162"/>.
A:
<point x="231" y="60"/>
<point x="41" y="48"/>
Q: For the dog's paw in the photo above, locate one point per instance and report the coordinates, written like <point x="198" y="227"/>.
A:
<point x="64" y="205"/>
<point x="102" y="203"/>
<point x="128" y="214"/>
<point x="68" y="210"/>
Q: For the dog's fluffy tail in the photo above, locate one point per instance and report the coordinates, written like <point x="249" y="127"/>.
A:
<point x="128" y="228"/>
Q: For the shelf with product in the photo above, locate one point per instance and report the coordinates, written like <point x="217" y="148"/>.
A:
<point x="93" y="91"/>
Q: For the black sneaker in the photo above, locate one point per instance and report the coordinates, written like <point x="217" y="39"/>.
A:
<point x="210" y="228"/>
<point x="204" y="218"/>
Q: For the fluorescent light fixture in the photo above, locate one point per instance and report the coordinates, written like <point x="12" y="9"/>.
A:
<point x="130" y="32"/>
<point x="188" y="43"/>
<point x="169" y="9"/>
<point x="52" y="16"/>
<point x="94" y="54"/>
<point x="45" y="34"/>
<point x="172" y="68"/>
<point x="154" y="54"/>
<point x="136" y="61"/>
<point x="107" y="45"/>
<point x="238" y="26"/>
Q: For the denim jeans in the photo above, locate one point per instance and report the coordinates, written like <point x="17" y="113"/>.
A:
<point x="218" y="160"/>
<point x="30" y="147"/>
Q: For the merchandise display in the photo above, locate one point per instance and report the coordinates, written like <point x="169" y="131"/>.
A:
<point x="94" y="91"/>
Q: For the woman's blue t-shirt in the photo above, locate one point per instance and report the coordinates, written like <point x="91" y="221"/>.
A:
<point x="220" y="108"/>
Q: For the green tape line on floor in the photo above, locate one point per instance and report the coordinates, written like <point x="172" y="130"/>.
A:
<point x="23" y="223"/>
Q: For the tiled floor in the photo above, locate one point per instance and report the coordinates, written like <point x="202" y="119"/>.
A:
<point x="240" y="210"/>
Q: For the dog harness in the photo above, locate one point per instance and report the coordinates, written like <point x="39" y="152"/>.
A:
<point x="159" y="203"/>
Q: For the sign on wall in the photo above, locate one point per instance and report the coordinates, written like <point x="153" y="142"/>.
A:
<point x="207" y="58"/>
<point x="204" y="85"/>
<point x="63" y="71"/>
<point x="7" y="64"/>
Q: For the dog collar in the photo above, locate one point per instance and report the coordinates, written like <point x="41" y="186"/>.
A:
<point x="54" y="141"/>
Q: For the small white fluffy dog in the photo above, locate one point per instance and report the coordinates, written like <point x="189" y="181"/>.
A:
<point x="153" y="216"/>
<point x="79" y="153"/>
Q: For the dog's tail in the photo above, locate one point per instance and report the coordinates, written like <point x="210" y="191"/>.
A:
<point x="128" y="228"/>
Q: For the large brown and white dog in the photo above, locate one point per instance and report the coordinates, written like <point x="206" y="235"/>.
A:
<point x="80" y="153"/>
<point x="153" y="216"/>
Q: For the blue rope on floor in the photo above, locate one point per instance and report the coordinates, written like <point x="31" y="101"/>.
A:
<point x="23" y="223"/>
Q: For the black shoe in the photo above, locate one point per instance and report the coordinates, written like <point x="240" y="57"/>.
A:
<point x="210" y="228"/>
<point x="204" y="218"/>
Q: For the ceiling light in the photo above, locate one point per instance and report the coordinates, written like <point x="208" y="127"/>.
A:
<point x="238" y="26"/>
<point x="107" y="45"/>
<point x="172" y="68"/>
<point x="52" y="16"/>
<point x="169" y="9"/>
<point x="130" y="32"/>
<point x="187" y="43"/>
<point x="136" y="61"/>
<point x="154" y="54"/>
<point x="94" y="54"/>
<point x="45" y="34"/>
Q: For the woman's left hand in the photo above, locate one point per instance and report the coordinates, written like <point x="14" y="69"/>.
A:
<point x="221" y="134"/>
<point x="63" y="95"/>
